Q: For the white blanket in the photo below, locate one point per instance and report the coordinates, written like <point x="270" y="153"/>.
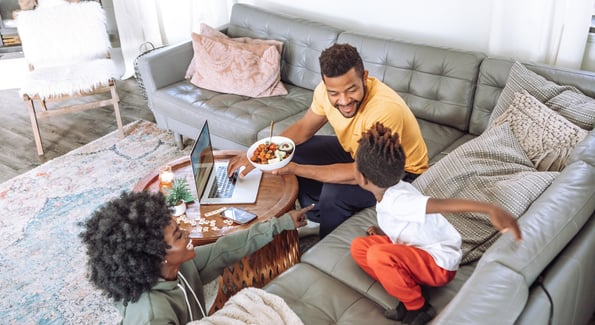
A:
<point x="252" y="306"/>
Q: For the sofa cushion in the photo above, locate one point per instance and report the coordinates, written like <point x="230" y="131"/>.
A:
<point x="546" y="137"/>
<point x="248" y="69"/>
<point x="244" y="115"/>
<point x="332" y="256"/>
<point x="492" y="167"/>
<point x="319" y="298"/>
<point x="438" y="137"/>
<point x="576" y="107"/>
<point x="522" y="78"/>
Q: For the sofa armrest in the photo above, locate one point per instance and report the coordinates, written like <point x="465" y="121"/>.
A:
<point x="584" y="150"/>
<point x="549" y="224"/>
<point x="164" y="66"/>
<point x="494" y="294"/>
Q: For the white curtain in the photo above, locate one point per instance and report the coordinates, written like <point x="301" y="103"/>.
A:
<point x="163" y="22"/>
<point x="545" y="31"/>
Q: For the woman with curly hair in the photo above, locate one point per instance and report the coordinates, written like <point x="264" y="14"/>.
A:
<point x="139" y="257"/>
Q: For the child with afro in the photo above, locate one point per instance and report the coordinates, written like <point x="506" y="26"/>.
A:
<point x="413" y="244"/>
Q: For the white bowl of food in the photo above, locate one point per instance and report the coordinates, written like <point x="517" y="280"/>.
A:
<point x="271" y="152"/>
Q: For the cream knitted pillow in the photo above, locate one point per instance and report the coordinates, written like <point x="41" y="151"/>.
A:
<point x="546" y="137"/>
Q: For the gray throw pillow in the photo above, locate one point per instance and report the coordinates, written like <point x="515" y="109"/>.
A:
<point x="492" y="167"/>
<point x="537" y="86"/>
<point x="575" y="107"/>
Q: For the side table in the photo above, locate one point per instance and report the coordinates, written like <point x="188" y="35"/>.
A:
<point x="277" y="195"/>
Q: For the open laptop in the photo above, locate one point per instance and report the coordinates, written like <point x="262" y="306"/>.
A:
<point x="213" y="186"/>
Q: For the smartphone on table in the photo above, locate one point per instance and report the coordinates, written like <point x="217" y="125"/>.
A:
<point x="238" y="215"/>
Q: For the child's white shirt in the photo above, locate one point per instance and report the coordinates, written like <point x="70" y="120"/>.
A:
<point x="402" y="217"/>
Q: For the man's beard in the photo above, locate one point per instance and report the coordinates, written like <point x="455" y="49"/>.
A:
<point x="358" y="103"/>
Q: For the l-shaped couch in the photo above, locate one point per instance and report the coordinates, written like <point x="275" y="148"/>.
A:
<point x="545" y="279"/>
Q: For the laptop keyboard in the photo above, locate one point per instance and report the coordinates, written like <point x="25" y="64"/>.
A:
<point x="223" y="185"/>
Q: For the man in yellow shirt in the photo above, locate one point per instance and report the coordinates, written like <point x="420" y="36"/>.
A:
<point x="351" y="102"/>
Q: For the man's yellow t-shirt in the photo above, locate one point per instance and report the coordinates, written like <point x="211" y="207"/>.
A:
<point x="381" y="104"/>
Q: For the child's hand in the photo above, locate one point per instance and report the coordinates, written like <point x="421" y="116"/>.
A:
<point x="374" y="230"/>
<point x="504" y="221"/>
<point x="299" y="216"/>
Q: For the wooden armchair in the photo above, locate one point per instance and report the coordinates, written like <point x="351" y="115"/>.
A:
<point x="68" y="51"/>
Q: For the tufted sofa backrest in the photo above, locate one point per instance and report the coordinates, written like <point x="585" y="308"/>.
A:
<point x="303" y="40"/>
<point x="438" y="84"/>
<point x="493" y="75"/>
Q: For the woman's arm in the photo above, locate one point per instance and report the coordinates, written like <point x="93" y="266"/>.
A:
<point x="500" y="218"/>
<point x="211" y="259"/>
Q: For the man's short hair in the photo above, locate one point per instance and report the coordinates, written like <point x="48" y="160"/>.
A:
<point x="380" y="157"/>
<point x="336" y="60"/>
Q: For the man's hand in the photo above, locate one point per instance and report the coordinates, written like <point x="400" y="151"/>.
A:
<point x="504" y="221"/>
<point x="299" y="216"/>
<point x="285" y="170"/>
<point x="237" y="162"/>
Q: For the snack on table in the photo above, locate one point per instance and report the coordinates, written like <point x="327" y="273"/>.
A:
<point x="271" y="152"/>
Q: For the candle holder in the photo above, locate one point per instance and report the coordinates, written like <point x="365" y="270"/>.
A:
<point x="166" y="178"/>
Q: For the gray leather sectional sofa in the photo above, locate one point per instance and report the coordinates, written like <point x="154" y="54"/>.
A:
<point x="548" y="279"/>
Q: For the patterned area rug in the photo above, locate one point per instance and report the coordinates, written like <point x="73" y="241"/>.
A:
<point x="43" y="263"/>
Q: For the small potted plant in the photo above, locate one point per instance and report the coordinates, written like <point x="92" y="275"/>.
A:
<point x="178" y="195"/>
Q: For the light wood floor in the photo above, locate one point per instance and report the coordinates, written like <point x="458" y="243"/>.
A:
<point x="61" y="133"/>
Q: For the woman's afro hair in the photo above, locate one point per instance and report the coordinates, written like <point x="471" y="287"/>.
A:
<point x="125" y="244"/>
<point x="380" y="157"/>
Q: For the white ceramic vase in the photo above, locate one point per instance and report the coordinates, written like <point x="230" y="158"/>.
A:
<point x="179" y="209"/>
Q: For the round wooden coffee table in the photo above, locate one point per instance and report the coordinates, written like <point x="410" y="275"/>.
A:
<point x="276" y="195"/>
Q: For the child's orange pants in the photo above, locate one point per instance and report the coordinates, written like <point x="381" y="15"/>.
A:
<point x="399" y="268"/>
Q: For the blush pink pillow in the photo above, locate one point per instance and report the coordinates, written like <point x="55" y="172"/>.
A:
<point x="243" y="66"/>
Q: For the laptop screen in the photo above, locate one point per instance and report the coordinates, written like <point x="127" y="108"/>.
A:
<point x="202" y="159"/>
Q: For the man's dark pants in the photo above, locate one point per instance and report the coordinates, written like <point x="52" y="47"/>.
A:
<point x="334" y="202"/>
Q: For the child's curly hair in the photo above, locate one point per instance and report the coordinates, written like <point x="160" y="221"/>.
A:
<point x="336" y="60"/>
<point x="125" y="244"/>
<point x="380" y="157"/>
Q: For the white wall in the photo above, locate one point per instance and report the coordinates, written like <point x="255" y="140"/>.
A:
<point x="460" y="24"/>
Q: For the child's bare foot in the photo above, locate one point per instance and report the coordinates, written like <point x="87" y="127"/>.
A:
<point x="374" y="230"/>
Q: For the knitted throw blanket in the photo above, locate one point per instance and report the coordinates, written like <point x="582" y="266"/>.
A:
<point x="252" y="306"/>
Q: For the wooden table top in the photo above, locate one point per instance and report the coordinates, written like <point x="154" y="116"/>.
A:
<point x="277" y="195"/>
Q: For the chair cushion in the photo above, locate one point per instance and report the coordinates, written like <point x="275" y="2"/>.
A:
<point x="61" y="34"/>
<point x="71" y="79"/>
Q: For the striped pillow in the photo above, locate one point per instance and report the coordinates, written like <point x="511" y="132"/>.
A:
<point x="492" y="167"/>
<point x="537" y="86"/>
<point x="575" y="107"/>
